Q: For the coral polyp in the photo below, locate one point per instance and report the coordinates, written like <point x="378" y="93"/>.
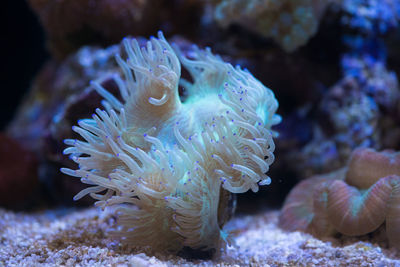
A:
<point x="169" y="164"/>
<point x="352" y="201"/>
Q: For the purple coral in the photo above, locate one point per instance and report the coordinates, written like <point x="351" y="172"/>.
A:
<point x="372" y="16"/>
<point x="351" y="114"/>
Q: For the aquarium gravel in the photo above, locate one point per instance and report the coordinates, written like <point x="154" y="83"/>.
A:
<point x="79" y="238"/>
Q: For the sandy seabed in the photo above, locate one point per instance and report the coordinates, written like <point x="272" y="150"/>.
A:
<point x="80" y="238"/>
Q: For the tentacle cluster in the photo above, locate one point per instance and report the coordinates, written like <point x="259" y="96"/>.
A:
<point x="353" y="201"/>
<point x="164" y="162"/>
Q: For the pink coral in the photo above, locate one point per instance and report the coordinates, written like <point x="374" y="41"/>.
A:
<point x="352" y="201"/>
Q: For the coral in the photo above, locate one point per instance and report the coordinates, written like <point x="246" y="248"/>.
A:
<point x="352" y="115"/>
<point x="366" y="164"/>
<point x="57" y="86"/>
<point x="168" y="164"/>
<point x="58" y="97"/>
<point x="290" y="22"/>
<point x="371" y="16"/>
<point x="376" y="81"/>
<point x="361" y="109"/>
<point x="352" y="201"/>
<point x="366" y="22"/>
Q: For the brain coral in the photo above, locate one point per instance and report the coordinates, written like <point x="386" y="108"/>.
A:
<point x="352" y="201"/>
<point x="168" y="164"/>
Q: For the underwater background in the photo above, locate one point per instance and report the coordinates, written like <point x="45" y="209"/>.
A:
<point x="334" y="192"/>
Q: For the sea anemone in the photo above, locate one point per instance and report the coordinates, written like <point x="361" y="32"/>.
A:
<point x="165" y="163"/>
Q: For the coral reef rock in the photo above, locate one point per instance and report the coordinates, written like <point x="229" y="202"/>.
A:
<point x="358" y="111"/>
<point x="71" y="24"/>
<point x="58" y="98"/>
<point x="18" y="173"/>
<point x="289" y="22"/>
